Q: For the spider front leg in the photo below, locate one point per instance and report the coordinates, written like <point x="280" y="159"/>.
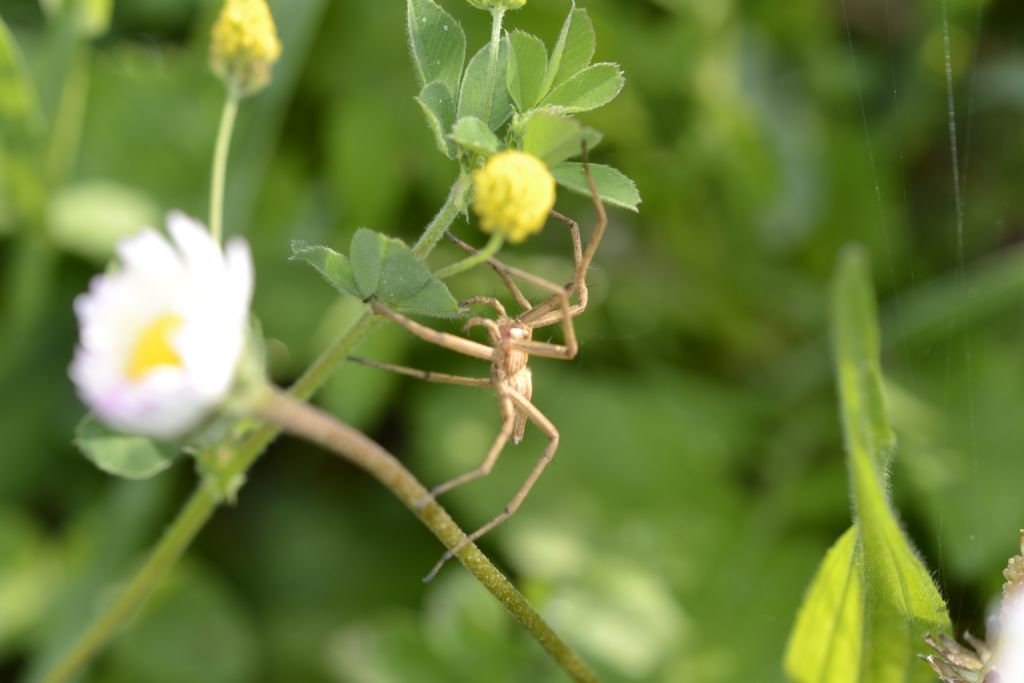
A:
<point x="427" y="334"/>
<point x="546" y="426"/>
<point x="544" y="314"/>
<point x="425" y="375"/>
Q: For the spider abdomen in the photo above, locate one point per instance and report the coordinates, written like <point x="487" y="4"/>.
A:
<point x="522" y="384"/>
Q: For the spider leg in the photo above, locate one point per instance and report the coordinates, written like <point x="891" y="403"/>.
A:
<point x="551" y="432"/>
<point x="492" y="326"/>
<point x="486" y="301"/>
<point x="574" y="232"/>
<point x="565" y="351"/>
<point x="540" y="315"/>
<point x="505" y="272"/>
<point x="500" y="269"/>
<point x="579" y="280"/>
<point x="508" y="413"/>
<point x="425" y="375"/>
<point x="427" y="334"/>
<point x="602" y="220"/>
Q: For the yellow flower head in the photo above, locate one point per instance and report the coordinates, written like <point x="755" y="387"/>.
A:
<point x="514" y="194"/>
<point x="244" y="44"/>
<point x="497" y="4"/>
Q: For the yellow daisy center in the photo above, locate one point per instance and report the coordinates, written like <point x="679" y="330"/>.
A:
<point x="153" y="347"/>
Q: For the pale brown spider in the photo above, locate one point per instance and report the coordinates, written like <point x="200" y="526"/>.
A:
<point x="511" y="345"/>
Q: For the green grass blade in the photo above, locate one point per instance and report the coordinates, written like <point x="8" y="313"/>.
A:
<point x="901" y="602"/>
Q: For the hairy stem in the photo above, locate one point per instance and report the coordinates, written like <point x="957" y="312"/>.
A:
<point x="497" y="15"/>
<point x="220" y="162"/>
<point x="308" y="422"/>
<point x="453" y="206"/>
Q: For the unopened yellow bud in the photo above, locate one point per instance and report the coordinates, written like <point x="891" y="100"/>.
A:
<point x="513" y="194"/>
<point x="244" y="45"/>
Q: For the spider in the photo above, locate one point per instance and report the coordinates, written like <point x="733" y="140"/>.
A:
<point x="511" y="345"/>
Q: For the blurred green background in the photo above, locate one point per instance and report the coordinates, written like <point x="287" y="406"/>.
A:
<point x="700" y="476"/>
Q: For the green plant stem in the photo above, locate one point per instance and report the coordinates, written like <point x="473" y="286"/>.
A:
<point x="308" y="422"/>
<point x="453" y="206"/>
<point x="176" y="539"/>
<point x="497" y="16"/>
<point x="492" y="248"/>
<point x="220" y="162"/>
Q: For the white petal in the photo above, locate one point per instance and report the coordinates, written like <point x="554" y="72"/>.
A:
<point x="240" y="273"/>
<point x="1009" y="658"/>
<point x="202" y="256"/>
<point x="148" y="251"/>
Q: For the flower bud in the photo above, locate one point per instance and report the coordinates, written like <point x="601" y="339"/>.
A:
<point x="491" y="5"/>
<point x="244" y="45"/>
<point x="513" y="194"/>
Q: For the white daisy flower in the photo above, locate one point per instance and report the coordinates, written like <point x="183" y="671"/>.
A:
<point x="1008" y="660"/>
<point x="161" y="336"/>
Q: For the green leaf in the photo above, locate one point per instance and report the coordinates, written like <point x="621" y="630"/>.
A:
<point x="438" y="44"/>
<point x="438" y="106"/>
<point x="591" y="88"/>
<point x="826" y="644"/>
<point x="381" y="267"/>
<point x="402" y="275"/>
<point x="335" y="267"/>
<point x="473" y="96"/>
<point x="404" y="282"/>
<point x="432" y="300"/>
<point x="901" y="602"/>
<point x="857" y="350"/>
<point x="527" y="69"/>
<point x="123" y="455"/>
<point x="473" y="134"/>
<point x="367" y="250"/>
<point x="614" y="187"/>
<point x="577" y="49"/>
<point x="556" y="138"/>
<point x="573" y="50"/>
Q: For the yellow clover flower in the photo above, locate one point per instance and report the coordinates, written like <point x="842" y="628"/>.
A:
<point x="514" y="193"/>
<point x="244" y="45"/>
